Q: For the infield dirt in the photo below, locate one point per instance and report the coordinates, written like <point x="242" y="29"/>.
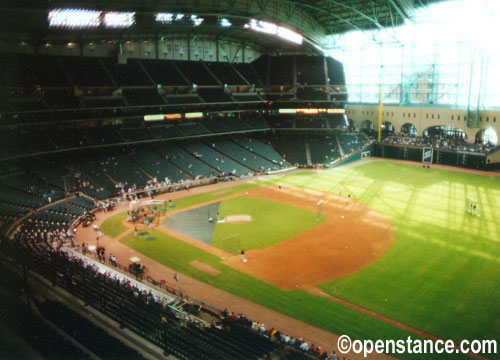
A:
<point x="352" y="237"/>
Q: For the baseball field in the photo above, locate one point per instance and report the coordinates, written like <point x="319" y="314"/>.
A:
<point x="378" y="250"/>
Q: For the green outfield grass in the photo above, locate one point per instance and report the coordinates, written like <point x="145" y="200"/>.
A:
<point x="113" y="226"/>
<point x="284" y="220"/>
<point x="442" y="274"/>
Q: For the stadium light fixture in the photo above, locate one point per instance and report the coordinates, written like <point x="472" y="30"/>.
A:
<point x="197" y="21"/>
<point x="69" y="18"/>
<point x="225" y="22"/>
<point x="179" y="17"/>
<point x="118" y="19"/>
<point x="164" y="18"/>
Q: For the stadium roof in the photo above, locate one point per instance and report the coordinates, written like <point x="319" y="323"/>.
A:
<point x="27" y="19"/>
<point x="337" y="16"/>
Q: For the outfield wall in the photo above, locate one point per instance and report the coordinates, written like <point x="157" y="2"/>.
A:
<point x="358" y="155"/>
<point x="414" y="153"/>
<point x="493" y="160"/>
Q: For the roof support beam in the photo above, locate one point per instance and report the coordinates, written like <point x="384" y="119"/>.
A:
<point x="323" y="11"/>
<point x="360" y="13"/>
<point x="398" y="9"/>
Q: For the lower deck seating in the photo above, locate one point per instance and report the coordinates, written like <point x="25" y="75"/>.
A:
<point x="352" y="142"/>
<point x="10" y="212"/>
<point x="189" y="163"/>
<point x="23" y="321"/>
<point x="16" y="197"/>
<point x="139" y="311"/>
<point x="86" y="333"/>
<point x="243" y="156"/>
<point x="292" y="148"/>
<point x="123" y="170"/>
<point x="324" y="149"/>
<point x="31" y="185"/>
<point x="157" y="166"/>
<point x="94" y="180"/>
<point x="263" y="149"/>
<point x="215" y="159"/>
<point x="55" y="219"/>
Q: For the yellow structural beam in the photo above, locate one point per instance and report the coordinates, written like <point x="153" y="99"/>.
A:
<point x="380" y="110"/>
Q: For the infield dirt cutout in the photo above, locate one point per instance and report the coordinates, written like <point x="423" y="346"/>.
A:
<point x="204" y="267"/>
<point x="353" y="236"/>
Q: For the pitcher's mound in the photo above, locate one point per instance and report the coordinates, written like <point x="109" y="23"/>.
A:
<point x="238" y="219"/>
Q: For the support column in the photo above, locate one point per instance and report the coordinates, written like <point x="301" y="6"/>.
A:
<point x="217" y="48"/>
<point x="325" y="71"/>
<point x="294" y="71"/>
<point x="380" y="110"/>
<point x="157" y="53"/>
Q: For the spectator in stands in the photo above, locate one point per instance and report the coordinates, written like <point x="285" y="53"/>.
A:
<point x="112" y="259"/>
<point x="304" y="346"/>
<point x="333" y="356"/>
